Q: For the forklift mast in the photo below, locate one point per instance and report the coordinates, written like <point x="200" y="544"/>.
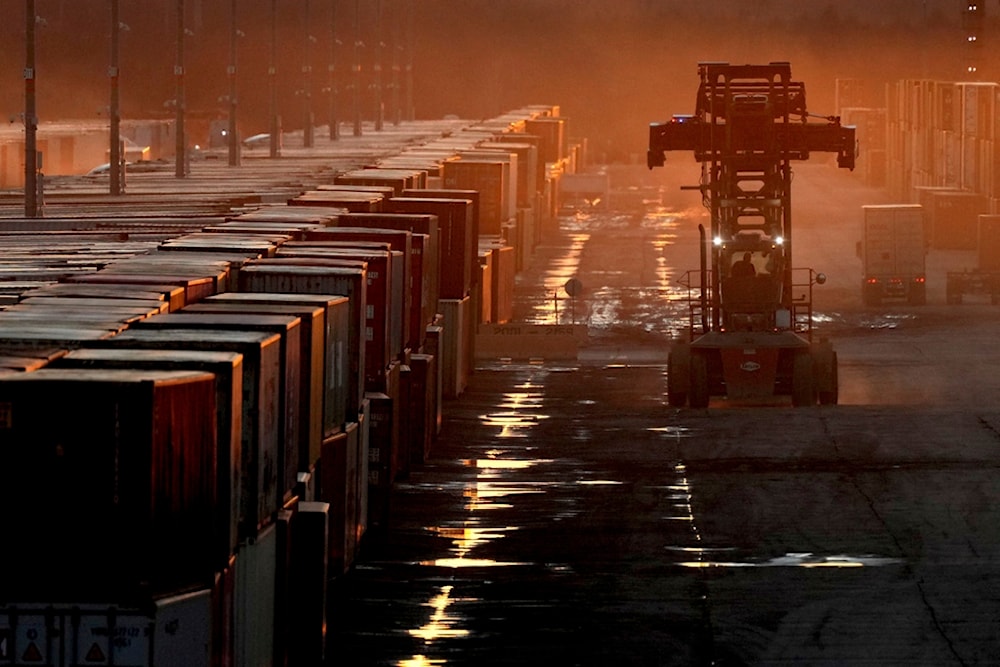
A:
<point x="750" y="123"/>
<point x="750" y="309"/>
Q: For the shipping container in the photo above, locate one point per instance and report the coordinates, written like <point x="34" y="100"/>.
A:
<point x="228" y="370"/>
<point x="312" y="350"/>
<point x="352" y="201"/>
<point x="195" y="289"/>
<point x="457" y="239"/>
<point x="171" y="631"/>
<point x="254" y="600"/>
<point x="262" y="361"/>
<point x="378" y="290"/>
<point x="172" y="295"/>
<point x="289" y="387"/>
<point x="386" y="295"/>
<point x="383" y="441"/>
<point x="122" y="462"/>
<point x="397" y="179"/>
<point x="552" y="133"/>
<point x="952" y="217"/>
<point x="491" y="177"/>
<point x="310" y="530"/>
<point x="337" y="317"/>
<point x="422" y="405"/>
<point x="335" y="488"/>
<point x="424" y="262"/>
<point x="893" y="252"/>
<point x="455" y="345"/>
<point x="351" y="283"/>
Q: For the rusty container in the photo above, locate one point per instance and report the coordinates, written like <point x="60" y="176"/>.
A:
<point x="109" y="478"/>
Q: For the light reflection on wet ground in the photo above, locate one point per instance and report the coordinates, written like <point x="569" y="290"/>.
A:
<point x="510" y="501"/>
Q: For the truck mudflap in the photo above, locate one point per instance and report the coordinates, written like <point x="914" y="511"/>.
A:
<point x="175" y="632"/>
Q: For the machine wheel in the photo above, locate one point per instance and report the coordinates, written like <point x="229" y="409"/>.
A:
<point x="678" y="375"/>
<point x="699" y="381"/>
<point x="917" y="295"/>
<point x="803" y="383"/>
<point x="829" y="394"/>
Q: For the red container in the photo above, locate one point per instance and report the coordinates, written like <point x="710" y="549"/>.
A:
<point x="107" y="493"/>
<point x="195" y="289"/>
<point x="228" y="370"/>
<point x="383" y="444"/>
<point x="336" y="316"/>
<point x="290" y="416"/>
<point x="260" y="405"/>
<point x="458" y="239"/>
<point x="327" y="280"/>
<point x="491" y="178"/>
<point x="421" y="406"/>
<point x="353" y="201"/>
<point x="390" y="267"/>
<point x="335" y="488"/>
<point x="399" y="240"/>
<point x="397" y="179"/>
<point x="551" y="132"/>
<point x="312" y="356"/>
<point x="424" y="263"/>
<point x="308" y="585"/>
<point x="384" y="296"/>
<point x="172" y="295"/>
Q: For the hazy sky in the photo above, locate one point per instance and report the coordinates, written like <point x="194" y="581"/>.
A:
<point x="612" y="65"/>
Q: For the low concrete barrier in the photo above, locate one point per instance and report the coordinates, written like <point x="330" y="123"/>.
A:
<point x="529" y="341"/>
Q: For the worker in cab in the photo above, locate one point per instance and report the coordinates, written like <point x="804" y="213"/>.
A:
<point x="743" y="268"/>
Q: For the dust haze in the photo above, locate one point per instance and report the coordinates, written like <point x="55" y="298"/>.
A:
<point x="613" y="67"/>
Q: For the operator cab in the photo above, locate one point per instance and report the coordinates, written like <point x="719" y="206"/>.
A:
<point x="752" y="283"/>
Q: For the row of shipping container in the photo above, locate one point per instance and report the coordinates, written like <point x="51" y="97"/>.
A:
<point x="201" y="432"/>
<point x="931" y="143"/>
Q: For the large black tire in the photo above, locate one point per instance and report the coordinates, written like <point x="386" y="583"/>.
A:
<point x="830" y="394"/>
<point x="917" y="295"/>
<point x="678" y="375"/>
<point x="699" y="381"/>
<point x="803" y="382"/>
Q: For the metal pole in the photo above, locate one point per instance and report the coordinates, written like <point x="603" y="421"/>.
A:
<point x="115" y="155"/>
<point x="332" y="73"/>
<point x="232" y="133"/>
<point x="378" y="66"/>
<point x="30" y="120"/>
<point x="180" y="167"/>
<point x="397" y="46"/>
<point x="357" y="68"/>
<point x="272" y="72"/>
<point x="411" y="113"/>
<point x="307" y="127"/>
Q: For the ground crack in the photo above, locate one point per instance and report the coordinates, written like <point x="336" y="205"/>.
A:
<point x="852" y="478"/>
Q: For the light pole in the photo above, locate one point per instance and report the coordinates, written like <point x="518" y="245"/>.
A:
<point x="377" y="66"/>
<point x="332" y="73"/>
<point x="180" y="167"/>
<point x="30" y="120"/>
<point x="115" y="180"/>
<point x="411" y="113"/>
<point x="356" y="67"/>
<point x="232" y="136"/>
<point x="272" y="72"/>
<point x="307" y="127"/>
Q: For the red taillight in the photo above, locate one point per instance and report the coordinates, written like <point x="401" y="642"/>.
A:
<point x="919" y="279"/>
<point x="872" y="281"/>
